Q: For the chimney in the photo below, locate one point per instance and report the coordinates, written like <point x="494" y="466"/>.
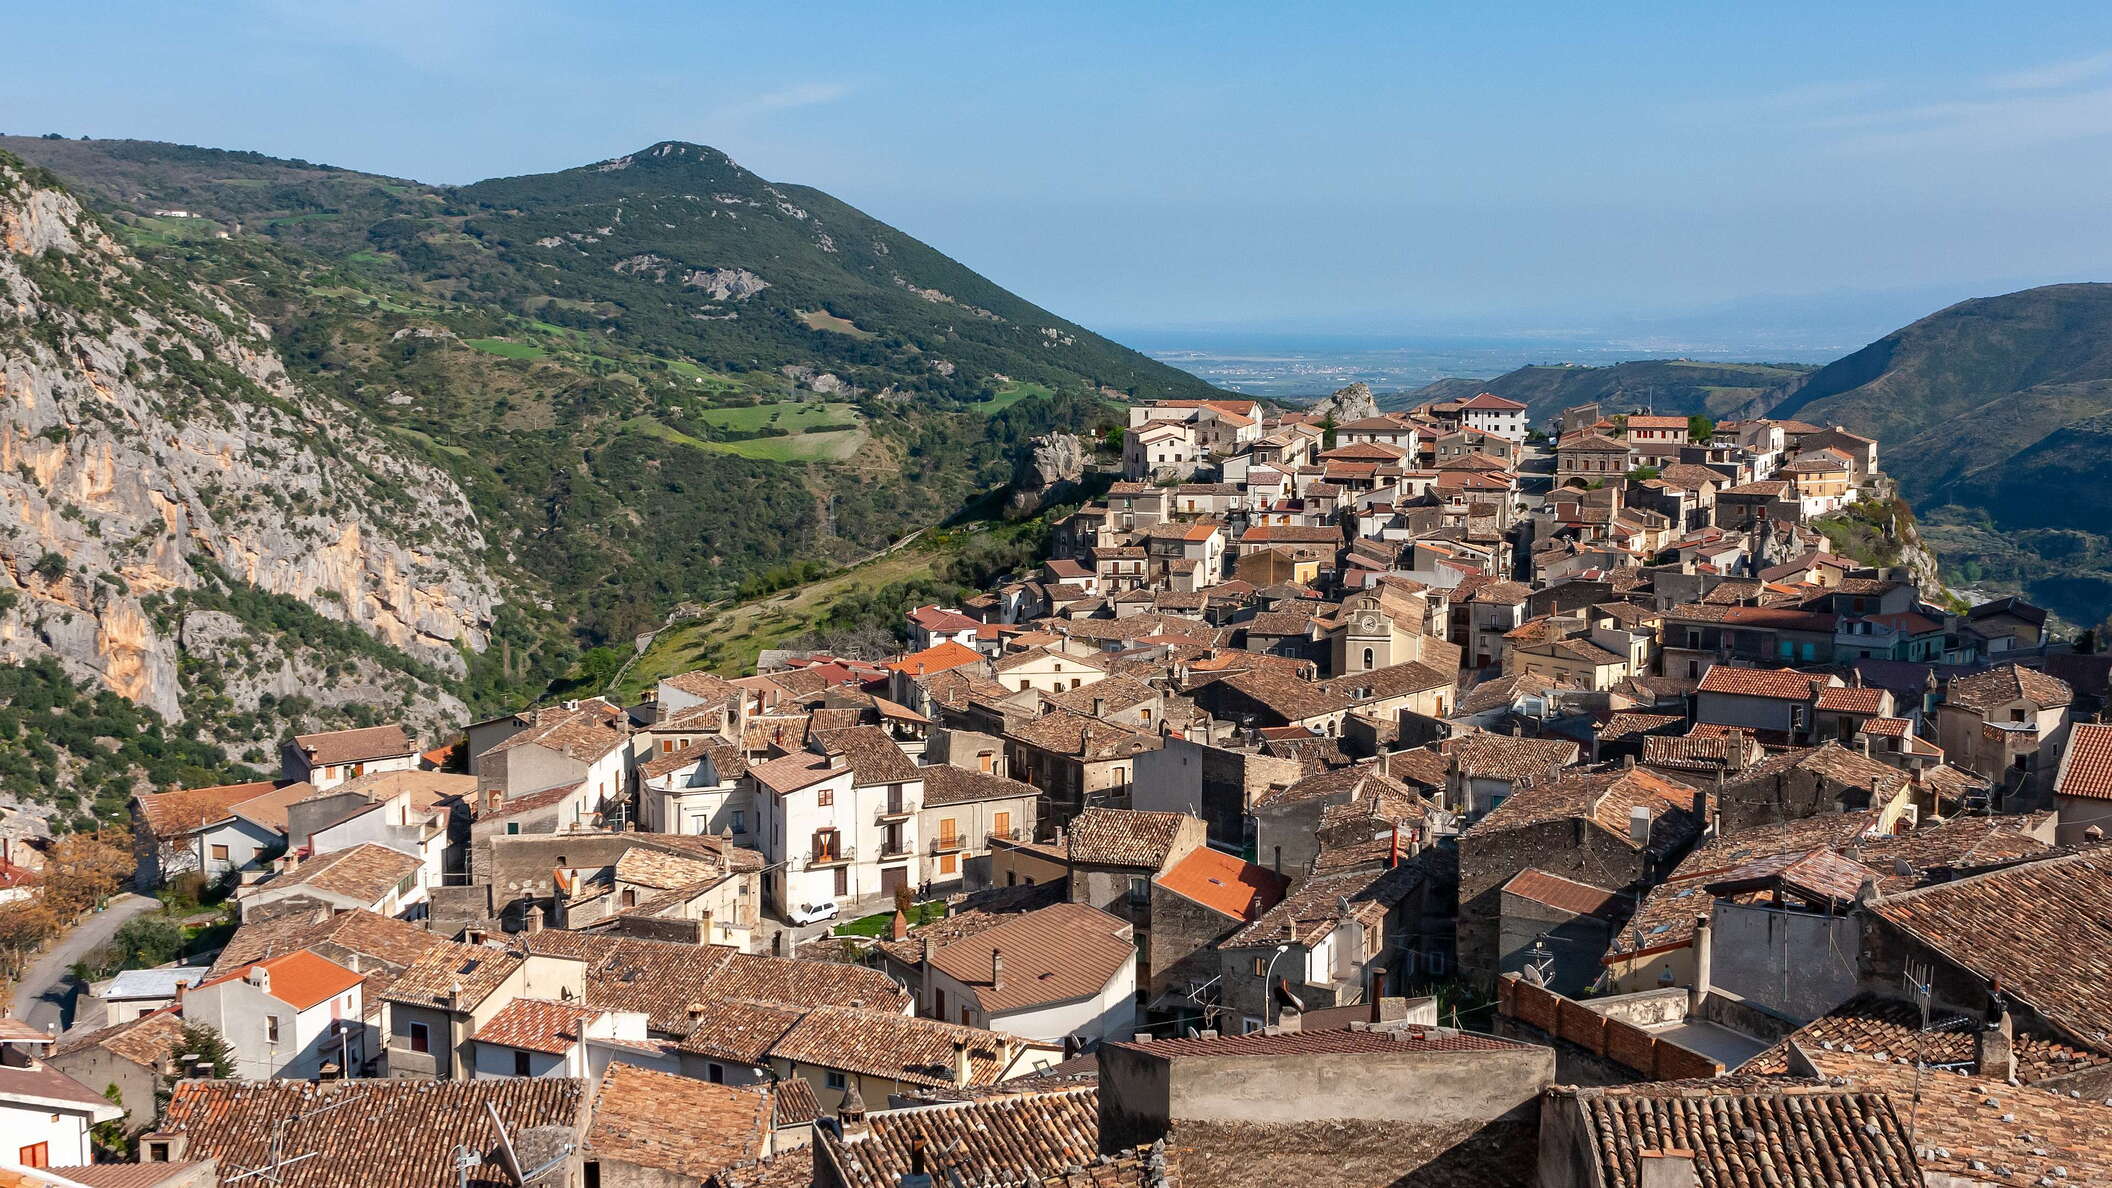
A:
<point x="1099" y="707"/>
<point x="962" y="1073"/>
<point x="1702" y="942"/>
<point x="898" y="927"/>
<point x="1994" y="1047"/>
<point x="924" y="972"/>
<point x="1670" y="1168"/>
<point x="1393" y="849"/>
<point x="997" y="970"/>
<point x="1639" y="825"/>
<point x="850" y="1113"/>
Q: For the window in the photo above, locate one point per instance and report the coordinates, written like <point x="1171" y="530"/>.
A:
<point x="1261" y="967"/>
<point x="2016" y="715"/>
<point x="740" y="821"/>
<point x="512" y="827"/>
<point x="715" y="1073"/>
<point x="825" y="797"/>
<point x="35" y="1155"/>
<point x="219" y="853"/>
<point x="948" y="864"/>
<point x="1369" y="656"/>
<point x="838" y="1081"/>
<point x="985" y="759"/>
<point x="949" y="832"/>
<point x="1139" y="890"/>
<point x="1001" y="824"/>
<point x="271" y="1029"/>
<point x="421" y="1038"/>
<point x="520" y="1064"/>
<point x="667" y="746"/>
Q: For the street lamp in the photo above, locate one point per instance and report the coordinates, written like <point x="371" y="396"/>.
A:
<point x="1268" y="971"/>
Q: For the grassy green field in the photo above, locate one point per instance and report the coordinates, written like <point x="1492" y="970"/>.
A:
<point x="880" y="922"/>
<point x="510" y="350"/>
<point x="1011" y="394"/>
<point x="728" y="640"/>
<point x="821" y="319"/>
<point x="789" y="416"/>
<point x="836" y="446"/>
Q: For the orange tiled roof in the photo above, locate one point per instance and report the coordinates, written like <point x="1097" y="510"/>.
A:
<point x="1224" y="883"/>
<point x="300" y="978"/>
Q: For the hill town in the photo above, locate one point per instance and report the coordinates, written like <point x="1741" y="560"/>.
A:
<point x="1456" y="795"/>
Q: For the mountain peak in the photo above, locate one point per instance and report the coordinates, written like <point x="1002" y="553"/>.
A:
<point x="668" y="154"/>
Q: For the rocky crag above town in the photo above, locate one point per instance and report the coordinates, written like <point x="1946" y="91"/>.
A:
<point x="184" y="523"/>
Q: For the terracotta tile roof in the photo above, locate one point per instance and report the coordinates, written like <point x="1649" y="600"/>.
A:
<point x="468" y="973"/>
<point x="1394" y="680"/>
<point x="1630" y="724"/>
<point x="895" y="1046"/>
<point x="172" y="814"/>
<point x="1060" y="953"/>
<point x="1852" y="700"/>
<point x="975" y="912"/>
<point x="1064" y="733"/>
<point x="2086" y="767"/>
<point x="2044" y="928"/>
<point x="725" y="758"/>
<point x="1603" y="798"/>
<point x="676" y="1124"/>
<point x="1224" y="883"/>
<point x="1123" y="837"/>
<point x="1972" y="1130"/>
<point x="367" y="873"/>
<point x="1781" y="684"/>
<point x="378" y="945"/>
<point x="351" y="746"/>
<point x="786" y="1169"/>
<point x="1704" y="752"/>
<point x="1294" y="700"/>
<point x="1562" y="894"/>
<point x="800" y="769"/>
<point x="301" y="979"/>
<point x="1747" y="1131"/>
<point x="873" y="754"/>
<point x="1998" y="686"/>
<point x="1502" y="757"/>
<point x="1314" y="907"/>
<point x="538" y="1025"/>
<point x="1871" y="1025"/>
<point x="1291" y="534"/>
<point x="583" y="735"/>
<point x="126" y="1175"/>
<point x="146" y="1041"/>
<point x="1490" y="402"/>
<point x="1887" y="728"/>
<point x="1830" y="760"/>
<point x="740" y="1032"/>
<point x="664" y="981"/>
<point x="662" y="871"/>
<point x="269" y="809"/>
<point x="711" y="687"/>
<point x="402" y="1133"/>
<point x="1015" y="1139"/>
<point x="947" y="784"/>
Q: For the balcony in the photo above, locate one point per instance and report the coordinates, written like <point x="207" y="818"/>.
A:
<point x="821" y="859"/>
<point x="1013" y="834"/>
<point x="946" y="843"/>
<point x="896" y="810"/>
<point x="890" y="850"/>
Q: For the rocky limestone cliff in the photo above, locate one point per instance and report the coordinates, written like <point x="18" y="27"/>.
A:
<point x="1352" y="403"/>
<point x="153" y="448"/>
<point x="1048" y="470"/>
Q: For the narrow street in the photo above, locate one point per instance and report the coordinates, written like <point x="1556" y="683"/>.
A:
<point x="45" y="996"/>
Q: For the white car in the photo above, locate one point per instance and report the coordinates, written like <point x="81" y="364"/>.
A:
<point x="813" y="913"/>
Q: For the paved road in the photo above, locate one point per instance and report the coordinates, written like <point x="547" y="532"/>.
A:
<point x="45" y="995"/>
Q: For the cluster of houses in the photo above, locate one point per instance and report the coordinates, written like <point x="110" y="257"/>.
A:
<point x="1419" y="798"/>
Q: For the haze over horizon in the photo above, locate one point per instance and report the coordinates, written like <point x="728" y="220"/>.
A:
<point x="1809" y="175"/>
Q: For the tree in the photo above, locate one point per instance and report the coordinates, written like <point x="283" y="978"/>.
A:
<point x="201" y="1045"/>
<point x="24" y="924"/>
<point x="144" y="942"/>
<point x="109" y="1137"/>
<point x="83" y="871"/>
<point x="1700" y="428"/>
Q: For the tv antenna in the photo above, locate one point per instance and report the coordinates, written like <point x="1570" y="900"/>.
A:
<point x="1921" y="981"/>
<point x="276" y="1160"/>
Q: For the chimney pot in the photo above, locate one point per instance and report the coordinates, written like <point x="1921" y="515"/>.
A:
<point x="997" y="969"/>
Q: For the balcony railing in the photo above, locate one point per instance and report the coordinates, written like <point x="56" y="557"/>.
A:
<point x="1013" y="834"/>
<point x="841" y="856"/>
<point x="894" y="849"/>
<point x="945" y="843"/>
<point x="896" y="811"/>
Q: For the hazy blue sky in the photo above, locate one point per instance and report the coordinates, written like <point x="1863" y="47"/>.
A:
<point x="1160" y="164"/>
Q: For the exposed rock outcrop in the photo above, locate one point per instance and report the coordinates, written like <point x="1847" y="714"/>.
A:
<point x="151" y="442"/>
<point x="1048" y="471"/>
<point x="1352" y="403"/>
